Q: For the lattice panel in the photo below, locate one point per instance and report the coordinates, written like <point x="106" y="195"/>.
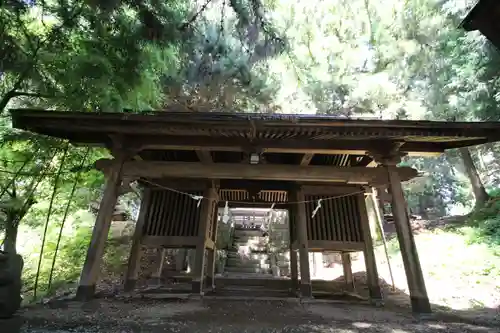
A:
<point x="172" y="214"/>
<point x="337" y="219"/>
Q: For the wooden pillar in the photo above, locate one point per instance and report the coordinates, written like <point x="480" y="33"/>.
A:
<point x="160" y="260"/>
<point x="91" y="267"/>
<point x="294" y="272"/>
<point x="416" y="283"/>
<point x="180" y="260"/>
<point x="206" y="214"/>
<point x="134" y="258"/>
<point x="347" y="266"/>
<point x="368" y="252"/>
<point x="302" y="237"/>
<point x="212" y="254"/>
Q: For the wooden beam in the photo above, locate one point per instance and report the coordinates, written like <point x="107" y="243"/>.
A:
<point x="332" y="189"/>
<point x="306" y="159"/>
<point x="340" y="146"/>
<point x="354" y="175"/>
<point x="170" y="241"/>
<point x="316" y="245"/>
<point x="205" y="156"/>
<point x="175" y="183"/>
<point x="239" y="184"/>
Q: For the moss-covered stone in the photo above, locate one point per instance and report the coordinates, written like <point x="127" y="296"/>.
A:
<point x="11" y="266"/>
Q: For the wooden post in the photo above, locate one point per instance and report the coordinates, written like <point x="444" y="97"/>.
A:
<point x="180" y="260"/>
<point x="294" y="272"/>
<point x="416" y="283"/>
<point x="380" y="224"/>
<point x="207" y="206"/>
<point x="134" y="258"/>
<point x="91" y="267"/>
<point x="302" y="237"/>
<point x="347" y="266"/>
<point x="368" y="252"/>
<point x="212" y="254"/>
<point x="160" y="260"/>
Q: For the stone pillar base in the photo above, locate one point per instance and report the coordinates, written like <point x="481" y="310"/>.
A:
<point x="420" y="304"/>
<point x="129" y="285"/>
<point x="85" y="293"/>
<point x="306" y="290"/>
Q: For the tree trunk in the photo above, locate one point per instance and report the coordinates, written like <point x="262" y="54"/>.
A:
<point x="5" y="100"/>
<point x="10" y="240"/>
<point x="477" y="185"/>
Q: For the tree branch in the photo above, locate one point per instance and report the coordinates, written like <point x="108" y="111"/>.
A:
<point x="195" y="16"/>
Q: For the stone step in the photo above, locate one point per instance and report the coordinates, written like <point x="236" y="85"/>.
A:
<point x="251" y="267"/>
<point x="251" y="238"/>
<point x="251" y="291"/>
<point x="246" y="262"/>
<point x="246" y="270"/>
<point x="238" y="243"/>
<point x="243" y="232"/>
<point x="252" y="256"/>
<point x="251" y="245"/>
<point x="248" y="250"/>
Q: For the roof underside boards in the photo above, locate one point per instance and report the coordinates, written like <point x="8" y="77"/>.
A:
<point x="229" y="138"/>
<point x="484" y="16"/>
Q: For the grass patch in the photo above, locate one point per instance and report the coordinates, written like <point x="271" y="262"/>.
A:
<point x="461" y="265"/>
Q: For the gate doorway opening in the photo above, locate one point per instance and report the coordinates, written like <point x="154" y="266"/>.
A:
<point x="258" y="243"/>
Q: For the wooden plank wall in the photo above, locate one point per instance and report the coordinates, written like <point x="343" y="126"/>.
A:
<point x="172" y="214"/>
<point x="337" y="220"/>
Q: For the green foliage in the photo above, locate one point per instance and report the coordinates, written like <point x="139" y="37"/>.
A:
<point x="439" y="188"/>
<point x="85" y="56"/>
<point x="485" y="222"/>
<point x="74" y="244"/>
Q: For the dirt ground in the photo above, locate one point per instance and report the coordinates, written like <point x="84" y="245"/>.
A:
<point x="225" y="316"/>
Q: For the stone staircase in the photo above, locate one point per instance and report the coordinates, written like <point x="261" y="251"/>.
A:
<point x="248" y="253"/>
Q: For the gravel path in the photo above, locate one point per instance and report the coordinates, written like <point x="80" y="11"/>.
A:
<point x="211" y="316"/>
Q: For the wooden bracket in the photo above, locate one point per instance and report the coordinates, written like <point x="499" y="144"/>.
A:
<point x="387" y="152"/>
<point x="123" y="147"/>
